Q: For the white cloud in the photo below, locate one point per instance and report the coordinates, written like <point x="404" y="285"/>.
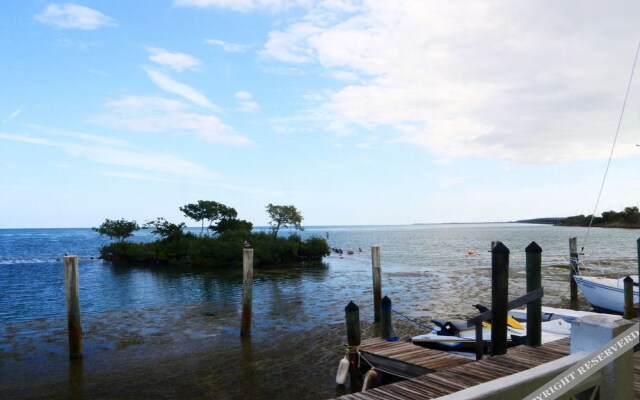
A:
<point x="159" y="115"/>
<point x="226" y="46"/>
<point x="13" y="115"/>
<point x="246" y="102"/>
<point x="176" y="61"/>
<point x="513" y="81"/>
<point x="452" y="181"/>
<point x="86" y="137"/>
<point x="242" y="95"/>
<point x="248" y="107"/>
<point x="135" y="176"/>
<point x="186" y="91"/>
<point x="73" y="16"/>
<point x="244" y="5"/>
<point x="162" y="164"/>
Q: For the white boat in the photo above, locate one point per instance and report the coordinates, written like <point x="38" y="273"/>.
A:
<point x="606" y="293"/>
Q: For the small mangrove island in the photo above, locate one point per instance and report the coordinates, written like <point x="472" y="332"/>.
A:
<point x="220" y="241"/>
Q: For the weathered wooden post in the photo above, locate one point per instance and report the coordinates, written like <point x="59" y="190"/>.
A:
<point x="385" y="318"/>
<point x="352" y="316"/>
<point x="247" y="290"/>
<point x="499" y="298"/>
<point x="479" y="341"/>
<point x="573" y="267"/>
<point x="377" y="282"/>
<point x="628" y="298"/>
<point x="71" y="283"/>
<point x="534" y="281"/>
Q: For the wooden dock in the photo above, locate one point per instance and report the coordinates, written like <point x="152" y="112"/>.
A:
<point x="449" y="373"/>
<point x="450" y="378"/>
<point x="406" y="359"/>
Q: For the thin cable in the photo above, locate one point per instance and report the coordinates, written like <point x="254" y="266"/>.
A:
<point x="615" y="140"/>
<point x="412" y="320"/>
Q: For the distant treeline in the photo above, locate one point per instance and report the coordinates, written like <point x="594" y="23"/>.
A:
<point x="545" y="221"/>
<point x="220" y="246"/>
<point x="627" y="218"/>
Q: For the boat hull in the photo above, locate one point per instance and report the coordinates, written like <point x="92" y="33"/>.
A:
<point x="604" y="293"/>
<point x="465" y="341"/>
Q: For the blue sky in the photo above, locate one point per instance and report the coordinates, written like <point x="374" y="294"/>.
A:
<point x="356" y="112"/>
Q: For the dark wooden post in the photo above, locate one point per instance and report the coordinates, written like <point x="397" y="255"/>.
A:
<point x="628" y="298"/>
<point x="499" y="298"/>
<point x="638" y="247"/>
<point x="385" y="318"/>
<point x="352" y="316"/>
<point x="377" y="282"/>
<point x="247" y="291"/>
<point x="71" y="283"/>
<point x="479" y="341"/>
<point x="573" y="267"/>
<point x="534" y="281"/>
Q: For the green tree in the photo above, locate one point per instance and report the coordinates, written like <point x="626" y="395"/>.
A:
<point x="117" y="229"/>
<point x="166" y="229"/>
<point x="283" y="217"/>
<point x="232" y="224"/>
<point x="206" y="210"/>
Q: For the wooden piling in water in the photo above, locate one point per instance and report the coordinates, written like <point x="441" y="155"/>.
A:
<point x="385" y="318"/>
<point x="71" y="283"/>
<point x="377" y="281"/>
<point x="628" y="298"/>
<point x="534" y="281"/>
<point x="247" y="291"/>
<point x="352" y="317"/>
<point x="499" y="298"/>
<point x="573" y="267"/>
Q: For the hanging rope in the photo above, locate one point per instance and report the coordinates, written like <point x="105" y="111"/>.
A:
<point x="412" y="320"/>
<point x="604" y="178"/>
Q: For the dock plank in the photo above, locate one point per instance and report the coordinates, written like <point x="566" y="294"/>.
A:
<point x="446" y="378"/>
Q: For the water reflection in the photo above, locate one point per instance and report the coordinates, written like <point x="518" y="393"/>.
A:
<point x="76" y="378"/>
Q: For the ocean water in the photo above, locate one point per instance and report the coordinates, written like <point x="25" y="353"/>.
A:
<point x="427" y="270"/>
<point x="174" y="333"/>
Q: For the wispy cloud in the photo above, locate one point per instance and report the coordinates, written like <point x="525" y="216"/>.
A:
<point x="244" y="5"/>
<point x="86" y="137"/>
<point x="186" y="91"/>
<point x="135" y="176"/>
<point x="226" y="46"/>
<point x="452" y="181"/>
<point x="159" y="115"/>
<point x="164" y="166"/>
<point x="13" y="115"/>
<point x="176" y="61"/>
<point x="73" y="16"/>
<point x="246" y="102"/>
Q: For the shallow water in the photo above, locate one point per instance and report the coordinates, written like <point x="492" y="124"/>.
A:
<point x="157" y="315"/>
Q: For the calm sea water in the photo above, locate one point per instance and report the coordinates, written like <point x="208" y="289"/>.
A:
<point x="427" y="271"/>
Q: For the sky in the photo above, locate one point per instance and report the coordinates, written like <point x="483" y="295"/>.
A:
<point x="356" y="112"/>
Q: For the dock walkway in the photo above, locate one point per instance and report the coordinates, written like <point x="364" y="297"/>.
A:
<point x="455" y="377"/>
<point x="407" y="359"/>
<point x="461" y="373"/>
